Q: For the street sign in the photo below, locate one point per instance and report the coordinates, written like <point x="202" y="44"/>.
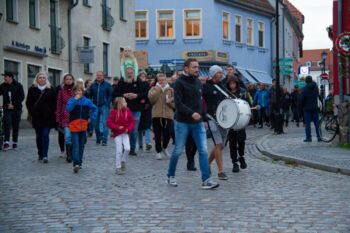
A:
<point x="286" y="67"/>
<point x="285" y="59"/>
<point x="324" y="76"/>
<point x="287" y="72"/>
<point x="324" y="82"/>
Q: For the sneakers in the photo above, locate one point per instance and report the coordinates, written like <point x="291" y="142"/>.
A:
<point x="172" y="181"/>
<point x="123" y="166"/>
<point x="76" y="168"/>
<point x="132" y="152"/>
<point x="191" y="167"/>
<point x="166" y="153"/>
<point x="235" y="168"/>
<point x="45" y="160"/>
<point x="222" y="176"/>
<point x="209" y="184"/>
<point x="14" y="146"/>
<point x="104" y="143"/>
<point x="159" y="156"/>
<point x="148" y="147"/>
<point x="308" y="140"/>
<point x="242" y="162"/>
<point x="6" y="146"/>
<point x="119" y="171"/>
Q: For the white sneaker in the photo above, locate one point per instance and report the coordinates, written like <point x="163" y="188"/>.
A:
<point x="209" y="184"/>
<point x="166" y="153"/>
<point x="172" y="181"/>
<point x="159" y="156"/>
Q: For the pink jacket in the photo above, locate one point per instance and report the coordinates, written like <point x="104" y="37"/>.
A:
<point x="62" y="116"/>
<point x="123" y="122"/>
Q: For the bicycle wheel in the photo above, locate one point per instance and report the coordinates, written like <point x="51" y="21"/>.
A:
<point x="328" y="127"/>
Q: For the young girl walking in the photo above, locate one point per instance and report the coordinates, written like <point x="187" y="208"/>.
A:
<point x="121" y="122"/>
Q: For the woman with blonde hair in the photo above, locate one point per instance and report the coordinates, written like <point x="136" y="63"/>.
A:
<point x="41" y="105"/>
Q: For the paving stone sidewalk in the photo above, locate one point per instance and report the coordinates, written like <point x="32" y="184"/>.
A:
<point x="319" y="155"/>
<point x="267" y="197"/>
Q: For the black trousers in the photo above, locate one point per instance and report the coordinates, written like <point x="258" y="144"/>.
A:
<point x="61" y="140"/>
<point x="237" y="143"/>
<point x="11" y="120"/>
<point x="162" y="132"/>
<point x="191" y="150"/>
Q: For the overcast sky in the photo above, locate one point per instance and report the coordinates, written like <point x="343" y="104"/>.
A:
<point x="318" y="16"/>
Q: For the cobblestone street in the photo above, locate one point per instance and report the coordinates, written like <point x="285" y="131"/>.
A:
<point x="267" y="197"/>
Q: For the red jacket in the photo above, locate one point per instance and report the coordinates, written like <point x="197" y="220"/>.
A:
<point x="62" y="116"/>
<point x="125" y="123"/>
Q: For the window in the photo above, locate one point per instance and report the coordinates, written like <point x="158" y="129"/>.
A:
<point x="34" y="13"/>
<point x="11" y="10"/>
<point x="107" y="19"/>
<point x="238" y="28"/>
<point x="56" y="46"/>
<point x="105" y="58"/>
<point x="122" y="9"/>
<point x="12" y="67"/>
<point x="87" y="44"/>
<point x="141" y="25"/>
<point x="250" y="31"/>
<point x="261" y="26"/>
<point x="309" y="63"/>
<point x="192" y="23"/>
<point x="226" y="26"/>
<point x="32" y="70"/>
<point x="87" y="3"/>
<point x="54" y="77"/>
<point x="165" y="28"/>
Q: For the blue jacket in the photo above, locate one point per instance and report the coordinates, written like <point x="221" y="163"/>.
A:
<point x="79" y="112"/>
<point x="262" y="98"/>
<point x="309" y="97"/>
<point x="100" y="93"/>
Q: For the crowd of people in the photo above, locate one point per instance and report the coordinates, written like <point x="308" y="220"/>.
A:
<point x="183" y="109"/>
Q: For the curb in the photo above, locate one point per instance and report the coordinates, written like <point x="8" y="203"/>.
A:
<point x="307" y="163"/>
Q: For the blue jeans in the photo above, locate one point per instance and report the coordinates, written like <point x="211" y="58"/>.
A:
<point x="78" y="144"/>
<point x="42" y="141"/>
<point x="308" y="117"/>
<point x="147" y="137"/>
<point x="135" y="132"/>
<point x="199" y="135"/>
<point x="67" y="136"/>
<point x="101" y="124"/>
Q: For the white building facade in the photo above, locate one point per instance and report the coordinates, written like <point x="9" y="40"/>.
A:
<point x="35" y="37"/>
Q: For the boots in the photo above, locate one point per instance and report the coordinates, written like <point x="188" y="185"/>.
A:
<point x="69" y="153"/>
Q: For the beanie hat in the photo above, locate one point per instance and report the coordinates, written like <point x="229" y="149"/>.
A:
<point x="214" y="69"/>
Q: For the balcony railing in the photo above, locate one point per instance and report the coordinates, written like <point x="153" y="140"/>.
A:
<point x="57" y="42"/>
<point x="107" y="19"/>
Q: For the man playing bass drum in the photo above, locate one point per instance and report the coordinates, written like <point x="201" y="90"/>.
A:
<point x="212" y="97"/>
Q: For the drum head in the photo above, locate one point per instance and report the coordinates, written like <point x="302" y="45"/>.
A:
<point x="227" y="113"/>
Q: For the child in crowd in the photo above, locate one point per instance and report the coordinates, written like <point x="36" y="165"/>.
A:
<point x="79" y="108"/>
<point x="128" y="60"/>
<point x="121" y="122"/>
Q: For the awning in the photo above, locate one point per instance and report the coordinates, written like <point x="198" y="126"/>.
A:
<point x="261" y="76"/>
<point x="246" y="75"/>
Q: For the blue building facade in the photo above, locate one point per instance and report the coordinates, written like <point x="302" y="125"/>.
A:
<point x="213" y="31"/>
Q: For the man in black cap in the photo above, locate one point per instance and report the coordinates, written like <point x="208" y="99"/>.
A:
<point x="13" y="96"/>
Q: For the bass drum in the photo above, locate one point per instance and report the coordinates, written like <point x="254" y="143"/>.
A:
<point x="233" y="114"/>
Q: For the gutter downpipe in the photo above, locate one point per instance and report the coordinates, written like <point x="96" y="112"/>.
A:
<point x="340" y="75"/>
<point x="70" y="60"/>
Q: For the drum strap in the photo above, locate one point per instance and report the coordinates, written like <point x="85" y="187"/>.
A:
<point x="223" y="92"/>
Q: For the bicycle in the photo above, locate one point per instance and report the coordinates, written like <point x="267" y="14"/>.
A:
<point x="329" y="126"/>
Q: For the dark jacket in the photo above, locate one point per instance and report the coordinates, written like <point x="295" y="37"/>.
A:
<point x="309" y="97"/>
<point x="43" y="109"/>
<point x="188" y="98"/>
<point x="286" y="101"/>
<point x="17" y="94"/>
<point x="135" y="105"/>
<point x="100" y="93"/>
<point x="225" y="80"/>
<point x="212" y="96"/>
